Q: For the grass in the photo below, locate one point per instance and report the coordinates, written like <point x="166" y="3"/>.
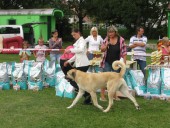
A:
<point x="28" y="109"/>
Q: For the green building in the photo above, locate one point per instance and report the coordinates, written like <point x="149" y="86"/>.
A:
<point x="36" y="23"/>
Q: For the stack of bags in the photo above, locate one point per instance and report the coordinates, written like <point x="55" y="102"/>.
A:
<point x="165" y="60"/>
<point x="97" y="58"/>
<point x="156" y="57"/>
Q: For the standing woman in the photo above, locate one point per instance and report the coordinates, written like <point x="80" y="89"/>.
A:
<point x="79" y="59"/>
<point x="114" y="48"/>
<point x="94" y="41"/>
<point x="55" y="43"/>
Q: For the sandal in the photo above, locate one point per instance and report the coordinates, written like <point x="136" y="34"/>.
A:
<point x="102" y="99"/>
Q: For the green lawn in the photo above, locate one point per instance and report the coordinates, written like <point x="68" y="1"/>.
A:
<point x="28" y="109"/>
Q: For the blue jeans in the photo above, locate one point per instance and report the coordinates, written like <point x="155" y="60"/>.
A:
<point x="90" y="56"/>
<point x="142" y="65"/>
<point x="108" y="68"/>
<point x="55" y="57"/>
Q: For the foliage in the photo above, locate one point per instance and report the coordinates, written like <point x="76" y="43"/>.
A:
<point x="80" y="8"/>
<point x="147" y="13"/>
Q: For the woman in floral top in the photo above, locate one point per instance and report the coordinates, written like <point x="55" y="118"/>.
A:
<point x="114" y="48"/>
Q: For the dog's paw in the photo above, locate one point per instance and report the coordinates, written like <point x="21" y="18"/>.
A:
<point x="137" y="108"/>
<point x="105" y="111"/>
<point x="100" y="107"/>
<point x="69" y="107"/>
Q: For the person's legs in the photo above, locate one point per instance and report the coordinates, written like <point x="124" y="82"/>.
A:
<point x="52" y="57"/>
<point x="90" y="56"/>
<point x="102" y="94"/>
<point x="63" y="68"/>
<point x="108" y="68"/>
<point x="57" y="57"/>
<point x="142" y="65"/>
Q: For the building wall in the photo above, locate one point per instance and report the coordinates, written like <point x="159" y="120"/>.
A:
<point x="19" y="19"/>
<point x="40" y="30"/>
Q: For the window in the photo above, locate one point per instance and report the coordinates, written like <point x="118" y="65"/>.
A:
<point x="9" y="30"/>
<point x="12" y="22"/>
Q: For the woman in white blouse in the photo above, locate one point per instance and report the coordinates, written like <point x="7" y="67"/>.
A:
<point x="80" y="60"/>
<point x="94" y="41"/>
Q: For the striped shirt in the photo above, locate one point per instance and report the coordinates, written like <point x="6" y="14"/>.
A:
<point x="138" y="49"/>
<point x="123" y="51"/>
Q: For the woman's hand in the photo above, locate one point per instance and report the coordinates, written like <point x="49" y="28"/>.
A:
<point x="87" y="53"/>
<point x="67" y="51"/>
<point x="66" y="63"/>
<point x="103" y="47"/>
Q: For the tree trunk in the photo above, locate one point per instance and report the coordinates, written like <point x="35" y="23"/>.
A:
<point x="81" y="24"/>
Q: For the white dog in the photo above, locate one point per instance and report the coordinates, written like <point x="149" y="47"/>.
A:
<point x="90" y="82"/>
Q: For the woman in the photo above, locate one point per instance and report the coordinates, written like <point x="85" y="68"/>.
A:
<point x="65" y="57"/>
<point x="94" y="42"/>
<point x="80" y="59"/>
<point x="114" y="48"/>
<point x="55" y="43"/>
<point x="165" y="46"/>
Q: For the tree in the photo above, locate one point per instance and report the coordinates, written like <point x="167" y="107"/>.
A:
<point x="29" y="4"/>
<point x="147" y="13"/>
<point x="80" y="8"/>
<point x="9" y="4"/>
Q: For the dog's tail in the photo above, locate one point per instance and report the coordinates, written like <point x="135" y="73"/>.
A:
<point x="118" y="64"/>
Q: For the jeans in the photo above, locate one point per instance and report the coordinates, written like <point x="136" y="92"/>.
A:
<point x="108" y="68"/>
<point x="90" y="56"/>
<point x="142" y="65"/>
<point x="55" y="57"/>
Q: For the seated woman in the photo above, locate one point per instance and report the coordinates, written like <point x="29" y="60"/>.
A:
<point x="65" y="57"/>
<point x="165" y="47"/>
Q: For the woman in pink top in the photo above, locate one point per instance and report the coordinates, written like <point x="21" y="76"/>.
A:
<point x="64" y="58"/>
<point x="165" y="47"/>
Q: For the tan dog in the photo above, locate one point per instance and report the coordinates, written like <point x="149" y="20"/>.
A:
<point x="90" y="82"/>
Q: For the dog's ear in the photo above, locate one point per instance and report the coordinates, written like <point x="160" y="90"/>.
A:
<point x="74" y="74"/>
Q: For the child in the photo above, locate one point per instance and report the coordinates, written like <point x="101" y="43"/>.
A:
<point x="24" y="53"/>
<point x="40" y="55"/>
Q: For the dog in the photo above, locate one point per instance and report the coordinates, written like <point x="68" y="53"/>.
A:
<point x="90" y="82"/>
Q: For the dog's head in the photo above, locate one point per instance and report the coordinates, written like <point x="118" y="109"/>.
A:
<point x="71" y="74"/>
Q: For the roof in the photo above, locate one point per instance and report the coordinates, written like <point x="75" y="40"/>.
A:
<point x="47" y="12"/>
